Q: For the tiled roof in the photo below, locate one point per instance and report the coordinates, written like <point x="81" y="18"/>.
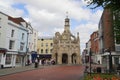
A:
<point x="16" y="20"/>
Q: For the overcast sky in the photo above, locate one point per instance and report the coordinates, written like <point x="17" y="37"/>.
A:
<point x="47" y="16"/>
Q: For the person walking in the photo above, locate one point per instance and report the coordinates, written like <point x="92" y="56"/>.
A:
<point x="36" y="63"/>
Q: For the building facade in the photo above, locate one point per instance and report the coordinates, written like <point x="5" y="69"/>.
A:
<point x="45" y="47"/>
<point x="94" y="38"/>
<point x="66" y="49"/>
<point x="13" y="40"/>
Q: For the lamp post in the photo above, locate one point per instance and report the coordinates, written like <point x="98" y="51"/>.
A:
<point x="90" y="54"/>
<point x="110" y="60"/>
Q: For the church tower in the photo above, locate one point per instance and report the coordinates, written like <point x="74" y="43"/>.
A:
<point x="66" y="49"/>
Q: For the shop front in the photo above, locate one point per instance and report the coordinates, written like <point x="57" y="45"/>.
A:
<point x="2" y="57"/>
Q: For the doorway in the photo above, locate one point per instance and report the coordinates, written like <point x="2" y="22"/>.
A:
<point x="64" y="59"/>
<point x="74" y="58"/>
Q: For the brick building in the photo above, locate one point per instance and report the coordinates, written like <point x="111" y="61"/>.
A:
<point x="107" y="41"/>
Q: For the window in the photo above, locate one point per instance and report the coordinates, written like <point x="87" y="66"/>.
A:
<point x="0" y="36"/>
<point x="35" y="34"/>
<point x="12" y="33"/>
<point x="46" y="44"/>
<point x="46" y="50"/>
<point x="42" y="39"/>
<point x="22" y="36"/>
<point x="11" y="44"/>
<point x="21" y="46"/>
<point x="0" y="22"/>
<point x="41" y="50"/>
<point x="51" y="50"/>
<point x="0" y="57"/>
<point x="51" y="44"/>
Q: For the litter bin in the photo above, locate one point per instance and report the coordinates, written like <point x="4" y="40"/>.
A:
<point x="2" y="66"/>
<point x="98" y="69"/>
<point x="36" y="65"/>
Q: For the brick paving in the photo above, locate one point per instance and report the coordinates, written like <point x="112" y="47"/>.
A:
<point x="73" y="72"/>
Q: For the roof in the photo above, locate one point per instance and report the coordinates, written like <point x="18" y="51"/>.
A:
<point x="16" y="20"/>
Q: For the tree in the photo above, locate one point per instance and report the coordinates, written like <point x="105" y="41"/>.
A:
<point x="117" y="26"/>
<point x="114" y="5"/>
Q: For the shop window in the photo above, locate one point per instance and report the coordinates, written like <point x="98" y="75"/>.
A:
<point x="18" y="59"/>
<point x="8" y="59"/>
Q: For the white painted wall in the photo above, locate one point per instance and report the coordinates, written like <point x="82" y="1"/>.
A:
<point x="3" y="28"/>
<point x="32" y="41"/>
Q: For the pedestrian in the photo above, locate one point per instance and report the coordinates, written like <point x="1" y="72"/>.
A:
<point x="36" y="63"/>
<point x="40" y="62"/>
<point x="43" y="62"/>
<point x="28" y="62"/>
<point x="53" y="62"/>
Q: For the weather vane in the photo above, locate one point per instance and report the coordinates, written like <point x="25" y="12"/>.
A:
<point x="67" y="14"/>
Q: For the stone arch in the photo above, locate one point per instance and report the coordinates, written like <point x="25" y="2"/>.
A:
<point x="64" y="58"/>
<point x="74" y="58"/>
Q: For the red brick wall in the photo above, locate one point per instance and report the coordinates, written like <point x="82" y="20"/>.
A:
<point x="108" y="35"/>
<point x="94" y="42"/>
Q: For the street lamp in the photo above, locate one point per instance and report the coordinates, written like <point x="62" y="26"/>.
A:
<point x="90" y="54"/>
<point x="110" y="60"/>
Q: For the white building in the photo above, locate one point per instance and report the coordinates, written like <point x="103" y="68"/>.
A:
<point x="87" y="52"/>
<point x="32" y="42"/>
<point x="13" y="40"/>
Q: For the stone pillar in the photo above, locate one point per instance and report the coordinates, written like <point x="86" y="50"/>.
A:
<point x="59" y="59"/>
<point x="78" y="59"/>
<point x="69" y="59"/>
<point x="53" y="55"/>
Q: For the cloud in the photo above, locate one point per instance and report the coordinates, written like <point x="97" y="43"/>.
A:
<point x="47" y="16"/>
<point x="85" y="30"/>
<point x="6" y="7"/>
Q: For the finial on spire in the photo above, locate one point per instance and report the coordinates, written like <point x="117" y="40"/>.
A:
<point x="77" y="33"/>
<point x="67" y="14"/>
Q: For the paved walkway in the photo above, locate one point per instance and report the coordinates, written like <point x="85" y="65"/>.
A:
<point x="58" y="72"/>
<point x="7" y="71"/>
